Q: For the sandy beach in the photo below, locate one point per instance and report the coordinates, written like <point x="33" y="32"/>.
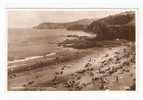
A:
<point x="99" y="68"/>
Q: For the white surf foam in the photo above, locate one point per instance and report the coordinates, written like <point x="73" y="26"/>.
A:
<point x="31" y="58"/>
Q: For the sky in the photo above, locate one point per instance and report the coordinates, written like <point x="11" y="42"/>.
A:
<point x="27" y="19"/>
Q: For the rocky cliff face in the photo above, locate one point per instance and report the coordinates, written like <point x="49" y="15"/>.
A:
<point x="120" y="26"/>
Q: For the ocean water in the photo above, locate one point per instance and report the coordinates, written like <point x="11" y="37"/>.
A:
<point x="23" y="43"/>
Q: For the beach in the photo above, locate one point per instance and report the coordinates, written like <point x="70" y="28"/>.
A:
<point x="110" y="67"/>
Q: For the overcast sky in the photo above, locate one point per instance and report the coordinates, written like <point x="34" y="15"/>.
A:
<point x="26" y="19"/>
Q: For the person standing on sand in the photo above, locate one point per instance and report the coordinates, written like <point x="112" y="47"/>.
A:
<point x="102" y="83"/>
<point x="117" y="79"/>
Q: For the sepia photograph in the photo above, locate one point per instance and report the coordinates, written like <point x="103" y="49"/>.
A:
<point x="71" y="50"/>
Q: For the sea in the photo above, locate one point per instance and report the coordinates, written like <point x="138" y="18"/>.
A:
<point x="24" y="44"/>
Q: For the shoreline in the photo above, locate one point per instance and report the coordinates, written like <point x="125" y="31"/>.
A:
<point x="42" y="61"/>
<point x="117" y="64"/>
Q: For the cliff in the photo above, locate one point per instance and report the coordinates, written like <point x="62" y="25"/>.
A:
<point x="120" y="26"/>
